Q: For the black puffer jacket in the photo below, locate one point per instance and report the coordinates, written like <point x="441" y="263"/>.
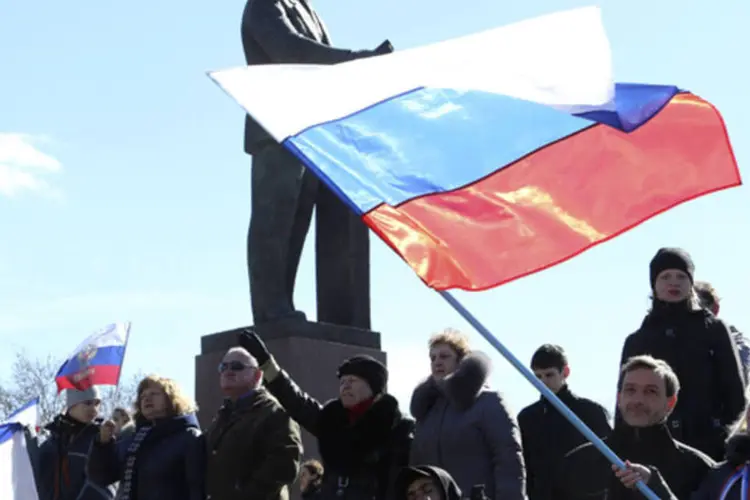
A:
<point x="699" y="348"/>
<point x="168" y="462"/>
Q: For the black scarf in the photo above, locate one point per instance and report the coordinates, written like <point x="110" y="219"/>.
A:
<point x="146" y="436"/>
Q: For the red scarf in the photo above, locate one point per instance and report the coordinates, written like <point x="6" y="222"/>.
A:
<point x="359" y="409"/>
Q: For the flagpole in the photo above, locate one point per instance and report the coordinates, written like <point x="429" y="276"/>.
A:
<point x="124" y="353"/>
<point x="548" y="394"/>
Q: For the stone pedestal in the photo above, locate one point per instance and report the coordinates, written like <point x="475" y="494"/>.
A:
<point x="309" y="352"/>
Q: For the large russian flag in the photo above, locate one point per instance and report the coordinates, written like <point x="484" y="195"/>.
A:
<point x="97" y="360"/>
<point x="490" y="157"/>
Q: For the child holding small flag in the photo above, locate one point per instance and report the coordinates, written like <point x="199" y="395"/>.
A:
<point x="60" y="462"/>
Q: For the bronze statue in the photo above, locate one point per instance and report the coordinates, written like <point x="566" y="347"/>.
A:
<point x="284" y="192"/>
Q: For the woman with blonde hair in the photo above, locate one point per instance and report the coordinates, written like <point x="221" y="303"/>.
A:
<point x="463" y="426"/>
<point x="162" y="459"/>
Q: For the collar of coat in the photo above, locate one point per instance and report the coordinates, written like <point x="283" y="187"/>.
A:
<point x="462" y="387"/>
<point x="344" y="444"/>
<point x="654" y="436"/>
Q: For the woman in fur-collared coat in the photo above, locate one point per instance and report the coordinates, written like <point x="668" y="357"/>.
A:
<point x="463" y="426"/>
<point x="363" y="438"/>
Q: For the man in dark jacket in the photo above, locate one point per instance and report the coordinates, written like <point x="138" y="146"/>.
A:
<point x="254" y="447"/>
<point x="283" y="191"/>
<point x="699" y="348"/>
<point x="647" y="394"/>
<point x="546" y="435"/>
<point x="60" y="462"/>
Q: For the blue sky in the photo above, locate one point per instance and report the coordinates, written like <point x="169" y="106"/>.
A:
<point x="124" y="191"/>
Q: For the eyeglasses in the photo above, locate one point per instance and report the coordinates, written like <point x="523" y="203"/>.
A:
<point x="235" y="366"/>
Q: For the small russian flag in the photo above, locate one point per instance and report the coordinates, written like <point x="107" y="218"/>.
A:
<point x="96" y="361"/>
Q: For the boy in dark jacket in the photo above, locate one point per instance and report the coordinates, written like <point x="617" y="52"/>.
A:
<point x="546" y="435"/>
<point x="60" y="462"/>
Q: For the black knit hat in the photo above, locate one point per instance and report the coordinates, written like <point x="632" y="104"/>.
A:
<point x="367" y="368"/>
<point x="671" y="258"/>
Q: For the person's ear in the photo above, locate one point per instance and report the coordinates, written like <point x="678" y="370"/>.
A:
<point x="671" y="402"/>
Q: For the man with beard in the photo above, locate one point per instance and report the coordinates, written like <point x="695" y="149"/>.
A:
<point x="647" y="393"/>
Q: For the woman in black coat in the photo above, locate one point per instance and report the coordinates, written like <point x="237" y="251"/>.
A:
<point x="163" y="458"/>
<point x="363" y="438"/>
<point x="698" y="347"/>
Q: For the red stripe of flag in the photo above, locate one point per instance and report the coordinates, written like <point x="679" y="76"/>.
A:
<point x="562" y="200"/>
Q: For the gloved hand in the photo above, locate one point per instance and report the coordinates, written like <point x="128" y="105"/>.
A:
<point x="384" y="48"/>
<point x="255" y="346"/>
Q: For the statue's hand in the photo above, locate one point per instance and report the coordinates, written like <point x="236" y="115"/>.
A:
<point x="255" y="346"/>
<point x="384" y="48"/>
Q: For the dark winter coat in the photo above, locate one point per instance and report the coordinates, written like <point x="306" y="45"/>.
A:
<point x="168" y="462"/>
<point x="60" y="462"/>
<point x="737" y="456"/>
<point x="547" y="436"/>
<point x="361" y="458"/>
<point x="468" y="430"/>
<point x="676" y="469"/>
<point x="699" y="348"/>
<point x="254" y="450"/>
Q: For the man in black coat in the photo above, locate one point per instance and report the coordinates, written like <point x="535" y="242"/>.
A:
<point x="546" y="435"/>
<point x="647" y="394"/>
<point x="283" y="191"/>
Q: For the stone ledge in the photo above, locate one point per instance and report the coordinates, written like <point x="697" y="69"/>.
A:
<point x="327" y="332"/>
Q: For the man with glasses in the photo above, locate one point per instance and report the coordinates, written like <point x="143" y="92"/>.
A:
<point x="254" y="448"/>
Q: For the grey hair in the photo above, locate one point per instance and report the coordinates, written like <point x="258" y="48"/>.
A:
<point x="253" y="362"/>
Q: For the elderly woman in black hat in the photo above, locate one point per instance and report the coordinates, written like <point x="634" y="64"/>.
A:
<point x="698" y="347"/>
<point x="363" y="438"/>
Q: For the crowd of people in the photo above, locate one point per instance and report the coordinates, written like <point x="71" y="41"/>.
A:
<point x="680" y="424"/>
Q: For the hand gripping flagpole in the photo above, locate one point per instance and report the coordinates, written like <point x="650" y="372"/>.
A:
<point x="742" y="474"/>
<point x="550" y="396"/>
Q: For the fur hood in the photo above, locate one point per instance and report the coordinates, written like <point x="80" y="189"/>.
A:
<point x="461" y="387"/>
